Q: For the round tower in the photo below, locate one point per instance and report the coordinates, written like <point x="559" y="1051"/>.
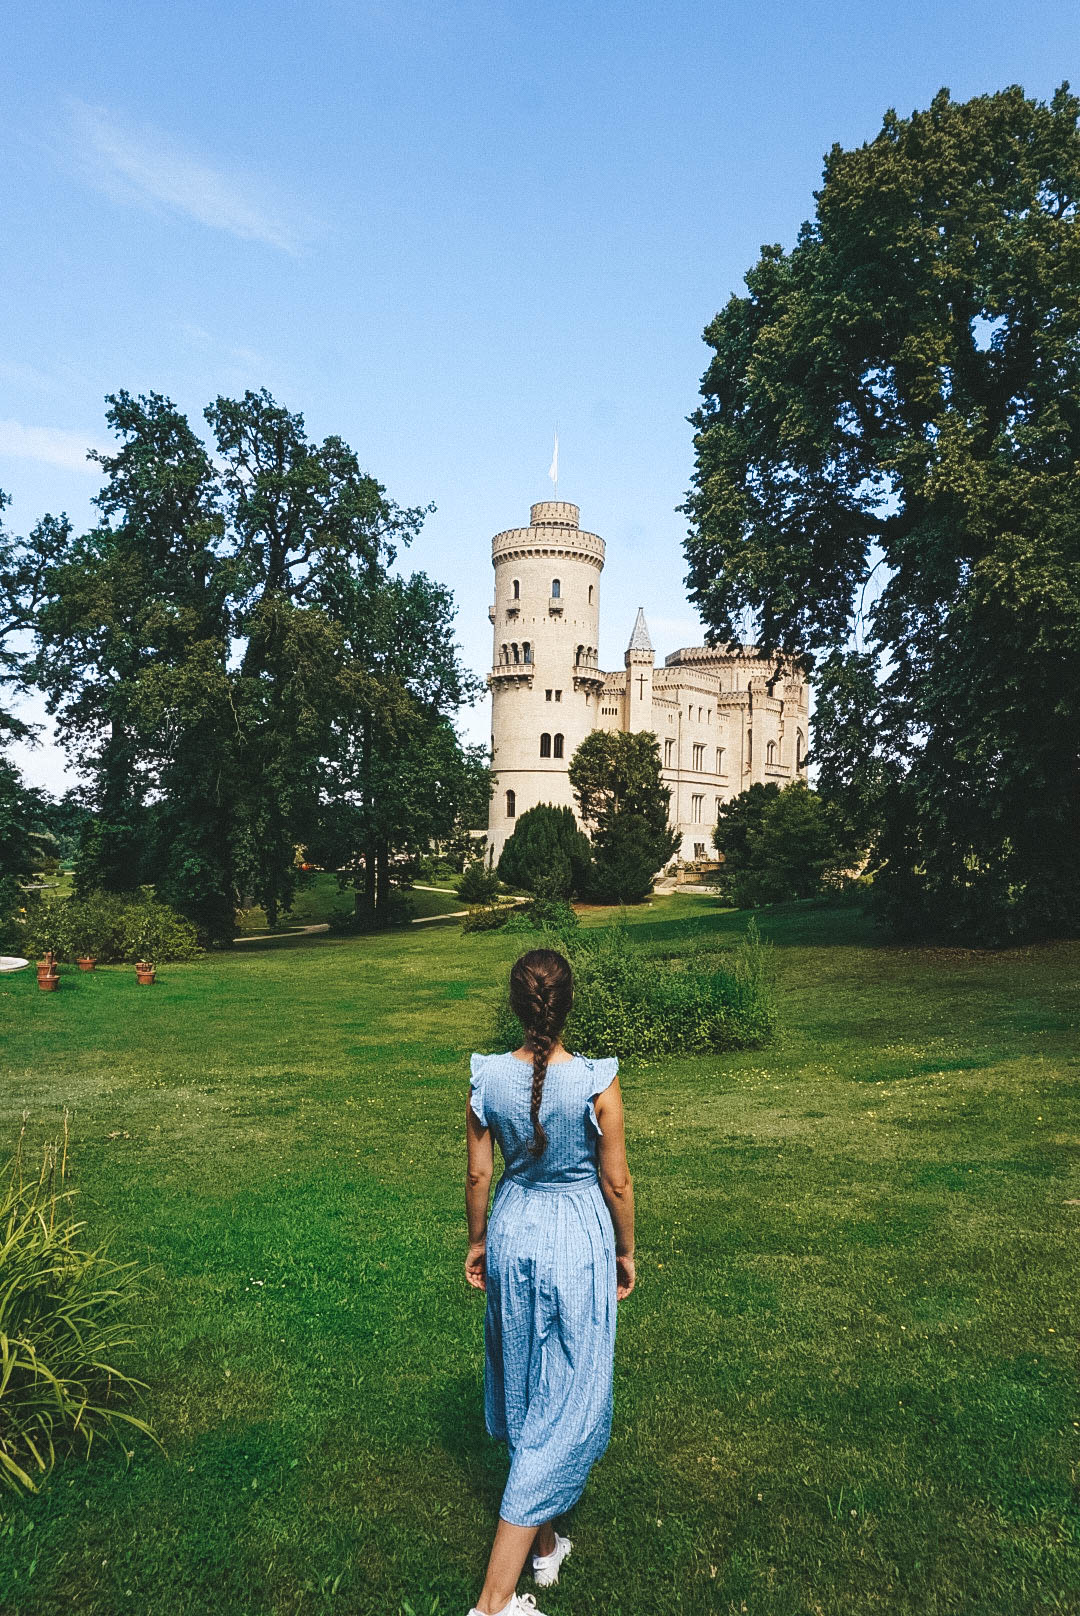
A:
<point x="545" y="680"/>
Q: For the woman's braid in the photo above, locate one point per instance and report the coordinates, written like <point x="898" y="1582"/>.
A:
<point x="541" y="994"/>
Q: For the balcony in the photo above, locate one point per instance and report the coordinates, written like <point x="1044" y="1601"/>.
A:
<point x="586" y="677"/>
<point x="511" y="673"/>
<point x="555" y="605"/>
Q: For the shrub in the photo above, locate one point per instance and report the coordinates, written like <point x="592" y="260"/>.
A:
<point x="627" y="1002"/>
<point x="478" y="884"/>
<point x="551" y="915"/>
<point x="111" y="926"/>
<point x="487" y="917"/>
<point x="547" y="853"/>
<point x="62" y="1325"/>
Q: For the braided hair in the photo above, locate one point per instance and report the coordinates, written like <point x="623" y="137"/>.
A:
<point x="541" y="996"/>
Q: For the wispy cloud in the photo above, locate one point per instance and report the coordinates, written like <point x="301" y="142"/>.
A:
<point x="49" y="444"/>
<point x="141" y="164"/>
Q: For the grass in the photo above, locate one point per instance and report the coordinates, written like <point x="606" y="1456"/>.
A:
<point x="321" y="898"/>
<point x="845" y="1384"/>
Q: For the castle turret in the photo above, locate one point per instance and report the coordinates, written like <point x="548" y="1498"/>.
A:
<point x="544" y="680"/>
<point x="639" y="659"/>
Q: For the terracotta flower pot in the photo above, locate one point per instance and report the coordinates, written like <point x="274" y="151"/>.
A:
<point x="86" y="962"/>
<point x="48" y="981"/>
<point x="145" y="973"/>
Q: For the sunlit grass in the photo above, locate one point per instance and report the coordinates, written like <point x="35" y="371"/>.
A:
<point x="846" y="1383"/>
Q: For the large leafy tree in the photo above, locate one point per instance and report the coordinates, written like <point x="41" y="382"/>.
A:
<point x="624" y="802"/>
<point x="890" y="433"/>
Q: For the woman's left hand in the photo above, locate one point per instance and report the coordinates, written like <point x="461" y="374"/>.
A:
<point x="474" y="1266"/>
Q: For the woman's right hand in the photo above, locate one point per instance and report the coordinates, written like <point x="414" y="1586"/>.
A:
<point x="625" y="1275"/>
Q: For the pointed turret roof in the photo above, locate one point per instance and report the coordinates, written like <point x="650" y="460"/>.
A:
<point x="639" y="639"/>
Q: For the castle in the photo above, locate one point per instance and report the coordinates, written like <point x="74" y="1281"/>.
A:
<point x="724" y="718"/>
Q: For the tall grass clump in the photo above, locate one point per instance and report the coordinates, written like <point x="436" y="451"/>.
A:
<point x="63" y="1320"/>
<point x="628" y="1002"/>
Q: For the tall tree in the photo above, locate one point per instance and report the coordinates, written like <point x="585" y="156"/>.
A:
<point x="900" y="393"/>
<point x="624" y="802"/>
<point x="313" y="536"/>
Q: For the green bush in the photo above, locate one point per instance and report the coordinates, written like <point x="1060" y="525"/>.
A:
<point x="111" y="926"/>
<point x="478" y="884"/>
<point x="551" y="915"/>
<point x="627" y="1002"/>
<point x="547" y="853"/>
<point x="487" y="917"/>
<point x="627" y="854"/>
<point x="62" y="1326"/>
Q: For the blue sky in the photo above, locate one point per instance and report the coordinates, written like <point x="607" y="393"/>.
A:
<point x="437" y="229"/>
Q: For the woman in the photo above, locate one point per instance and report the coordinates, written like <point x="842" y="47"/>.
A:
<point x="554" y="1259"/>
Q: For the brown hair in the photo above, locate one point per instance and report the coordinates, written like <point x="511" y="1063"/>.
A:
<point x="541" y="996"/>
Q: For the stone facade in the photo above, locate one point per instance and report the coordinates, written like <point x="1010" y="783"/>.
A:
<point x="724" y="718"/>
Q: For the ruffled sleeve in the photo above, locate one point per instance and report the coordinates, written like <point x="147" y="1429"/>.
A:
<point x="601" y="1076"/>
<point x="476" y="1080"/>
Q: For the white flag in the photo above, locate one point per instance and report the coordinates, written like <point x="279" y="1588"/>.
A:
<point x="553" y="469"/>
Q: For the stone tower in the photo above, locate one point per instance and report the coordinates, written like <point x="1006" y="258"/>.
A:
<point x="545" y="681"/>
<point x="639" y="659"/>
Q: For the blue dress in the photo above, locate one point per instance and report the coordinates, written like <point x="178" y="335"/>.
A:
<point x="549" y="1330"/>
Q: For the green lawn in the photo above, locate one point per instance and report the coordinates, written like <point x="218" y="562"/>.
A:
<point x="846" y="1382"/>
<point x="321" y="898"/>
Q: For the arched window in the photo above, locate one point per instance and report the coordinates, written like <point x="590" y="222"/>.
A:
<point x="517" y="589"/>
<point x="719" y="760"/>
<point x="515" y="651"/>
<point x="770" y="752"/>
<point x="526" y="651"/>
<point x="505" y="654"/>
<point x="590" y="594"/>
<point x="800" y="755"/>
<point x="557" y="748"/>
<point x="511" y="805"/>
<point x="719" y="804"/>
<point x="749" y="746"/>
<point x="556" y="589"/>
<point x="545" y="745"/>
<point x="579" y="656"/>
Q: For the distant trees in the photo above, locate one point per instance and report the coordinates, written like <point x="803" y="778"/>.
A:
<point x="890" y="436"/>
<point x="624" y="803"/>
<point x="779" y="844"/>
<point x="234" y="664"/>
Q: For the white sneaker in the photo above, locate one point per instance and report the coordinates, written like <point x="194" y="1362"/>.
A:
<point x="520" y="1605"/>
<point x="545" y="1567"/>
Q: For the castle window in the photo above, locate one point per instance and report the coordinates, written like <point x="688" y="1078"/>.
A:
<point x="517" y="589"/>
<point x="699" y="850"/>
<point x="545" y="745"/>
<point x="527" y="651"/>
<point x="515" y="651"/>
<point x="556" y="589"/>
<point x="547" y="695"/>
<point x="749" y="746"/>
<point x="699" y="756"/>
<point x="511" y="805"/>
<point x="505" y="654"/>
<point x="719" y="802"/>
<point x="800" y="755"/>
<point x="558" y="695"/>
<point x="558" y="746"/>
<point x="579" y="656"/>
<point x="770" y="752"/>
<point x="699" y="715"/>
<point x="696" y="805"/>
<point x="669" y="752"/>
<point x="590" y="594"/>
<point x="719" y="760"/>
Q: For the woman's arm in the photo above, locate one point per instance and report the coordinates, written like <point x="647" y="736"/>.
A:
<point x="477" y="1189"/>
<point x="616" y="1185"/>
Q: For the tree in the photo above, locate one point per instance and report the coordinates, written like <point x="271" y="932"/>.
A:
<point x="779" y="844"/>
<point x="547" y="854"/>
<point x="623" y="800"/>
<point x="897" y="399"/>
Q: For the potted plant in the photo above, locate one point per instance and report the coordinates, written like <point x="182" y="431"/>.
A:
<point x="86" y="962"/>
<point x="145" y="973"/>
<point x="48" y="973"/>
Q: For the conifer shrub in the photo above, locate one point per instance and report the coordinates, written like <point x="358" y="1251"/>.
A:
<point x="547" y="853"/>
<point x="478" y="884"/>
<point x="628" y="1002"/>
<point x="64" y="1311"/>
<point x="487" y="917"/>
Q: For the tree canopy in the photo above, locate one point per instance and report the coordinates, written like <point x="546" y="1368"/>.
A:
<point x="623" y="800"/>
<point x="889" y="444"/>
